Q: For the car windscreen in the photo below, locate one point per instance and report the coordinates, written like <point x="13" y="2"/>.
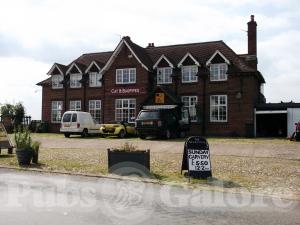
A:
<point x="149" y="115"/>
<point x="67" y="117"/>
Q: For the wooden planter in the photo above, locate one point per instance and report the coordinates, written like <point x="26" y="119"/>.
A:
<point x="127" y="163"/>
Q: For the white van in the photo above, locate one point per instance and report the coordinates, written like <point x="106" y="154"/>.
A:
<point x="74" y="122"/>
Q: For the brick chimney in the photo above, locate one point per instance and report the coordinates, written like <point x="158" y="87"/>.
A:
<point x="252" y="43"/>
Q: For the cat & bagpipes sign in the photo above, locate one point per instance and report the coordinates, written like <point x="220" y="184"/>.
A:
<point x="196" y="158"/>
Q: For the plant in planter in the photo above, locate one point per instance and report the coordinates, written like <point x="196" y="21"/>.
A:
<point x="128" y="160"/>
<point x="24" y="151"/>
<point x="35" y="147"/>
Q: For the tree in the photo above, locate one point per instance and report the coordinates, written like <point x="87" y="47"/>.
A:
<point x="15" y="112"/>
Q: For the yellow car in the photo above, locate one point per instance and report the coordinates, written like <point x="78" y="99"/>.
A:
<point x="120" y="129"/>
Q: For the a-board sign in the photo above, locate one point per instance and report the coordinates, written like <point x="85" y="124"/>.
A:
<point x="196" y="157"/>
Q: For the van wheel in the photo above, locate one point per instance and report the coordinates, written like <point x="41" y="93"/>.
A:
<point x="67" y="135"/>
<point x="122" y="134"/>
<point x="84" y="133"/>
<point x="168" y="134"/>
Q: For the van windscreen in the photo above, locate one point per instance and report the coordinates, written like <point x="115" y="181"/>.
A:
<point x="67" y="117"/>
<point x="149" y="115"/>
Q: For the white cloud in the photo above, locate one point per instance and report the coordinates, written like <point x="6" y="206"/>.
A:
<point x="36" y="33"/>
<point x="18" y="79"/>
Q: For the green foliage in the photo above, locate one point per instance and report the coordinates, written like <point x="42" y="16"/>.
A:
<point x="23" y="139"/>
<point x="36" y="146"/>
<point x="16" y="112"/>
<point x="7" y="110"/>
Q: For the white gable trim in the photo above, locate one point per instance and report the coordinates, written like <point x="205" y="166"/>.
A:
<point x="184" y="58"/>
<point x="70" y="68"/>
<point x="213" y="56"/>
<point x="52" y="69"/>
<point x="90" y="66"/>
<point x="115" y="54"/>
<point x="165" y="58"/>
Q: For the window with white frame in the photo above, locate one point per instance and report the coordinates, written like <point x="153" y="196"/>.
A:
<point x="126" y="76"/>
<point x="56" y="111"/>
<point x="95" y="109"/>
<point x="75" y="80"/>
<point x="218" y="71"/>
<point x="218" y="108"/>
<point x="189" y="74"/>
<point x="94" y="79"/>
<point x="125" y="110"/>
<point x="75" y="105"/>
<point x="164" y="75"/>
<point x="57" y="81"/>
<point x="190" y="102"/>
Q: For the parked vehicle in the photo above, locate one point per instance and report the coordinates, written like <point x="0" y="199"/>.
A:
<point x="120" y="129"/>
<point x="164" y="123"/>
<point x="74" y="122"/>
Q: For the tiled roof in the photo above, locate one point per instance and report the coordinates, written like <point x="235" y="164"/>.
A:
<point x="148" y="56"/>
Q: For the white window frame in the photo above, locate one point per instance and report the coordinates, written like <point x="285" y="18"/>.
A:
<point x="75" y="105"/>
<point x="217" y="71"/>
<point x="124" y="111"/>
<point x="56" y="81"/>
<point x="94" y="110"/>
<point x="74" y="80"/>
<point x="191" y="78"/>
<point x="187" y="103"/>
<point x="218" y="105"/>
<point x="121" y="76"/>
<point x="94" y="79"/>
<point x="56" y="111"/>
<point x="161" y="75"/>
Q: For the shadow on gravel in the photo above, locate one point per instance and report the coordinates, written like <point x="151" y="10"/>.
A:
<point x="6" y="156"/>
<point x="222" y="183"/>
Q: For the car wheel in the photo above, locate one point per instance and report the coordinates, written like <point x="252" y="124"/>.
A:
<point x="168" y="134"/>
<point x="142" y="137"/>
<point x="67" y="135"/>
<point x="84" y="133"/>
<point x="122" y="134"/>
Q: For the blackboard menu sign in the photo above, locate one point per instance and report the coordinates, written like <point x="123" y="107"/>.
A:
<point x="196" y="157"/>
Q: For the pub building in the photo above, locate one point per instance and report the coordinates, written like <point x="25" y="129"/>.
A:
<point x="218" y="86"/>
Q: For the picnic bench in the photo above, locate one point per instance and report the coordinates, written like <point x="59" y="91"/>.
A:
<point x="5" y="142"/>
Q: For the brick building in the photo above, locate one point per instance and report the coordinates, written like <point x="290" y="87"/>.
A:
<point x="220" y="87"/>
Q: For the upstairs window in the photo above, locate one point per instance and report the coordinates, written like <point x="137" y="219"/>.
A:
<point x="75" y="105"/>
<point x="218" y="72"/>
<point x="57" y="81"/>
<point x="94" y="79"/>
<point x="164" y="75"/>
<point x="189" y="74"/>
<point x="75" y="79"/>
<point x="126" y="76"/>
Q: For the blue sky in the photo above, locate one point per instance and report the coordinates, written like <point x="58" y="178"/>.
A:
<point x="36" y="33"/>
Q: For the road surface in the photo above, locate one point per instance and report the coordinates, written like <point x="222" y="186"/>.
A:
<point x="39" y="198"/>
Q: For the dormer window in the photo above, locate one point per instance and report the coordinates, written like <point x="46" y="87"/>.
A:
<point x="189" y="74"/>
<point x="75" y="79"/>
<point x="94" y="79"/>
<point x="57" y="81"/>
<point x="164" y="75"/>
<point x="218" y="71"/>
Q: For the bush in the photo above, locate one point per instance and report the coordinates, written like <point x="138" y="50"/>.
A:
<point x="23" y="139"/>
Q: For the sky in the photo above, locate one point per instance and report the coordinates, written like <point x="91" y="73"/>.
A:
<point x="36" y="33"/>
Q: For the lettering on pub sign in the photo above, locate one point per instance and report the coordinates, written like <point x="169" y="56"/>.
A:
<point x="196" y="157"/>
